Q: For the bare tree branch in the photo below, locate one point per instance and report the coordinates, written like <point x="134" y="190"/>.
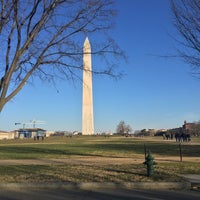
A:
<point x="187" y="22"/>
<point x="43" y="38"/>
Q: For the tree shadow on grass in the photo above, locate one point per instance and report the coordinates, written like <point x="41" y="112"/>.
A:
<point x="21" y="152"/>
<point x="160" y="149"/>
<point x="121" y="171"/>
<point x="96" y="149"/>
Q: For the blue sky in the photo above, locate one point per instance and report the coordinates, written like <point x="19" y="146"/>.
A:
<point x="155" y="92"/>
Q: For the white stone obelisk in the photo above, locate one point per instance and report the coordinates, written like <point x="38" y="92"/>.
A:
<point x="87" y="104"/>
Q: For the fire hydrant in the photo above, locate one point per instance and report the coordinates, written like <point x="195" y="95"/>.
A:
<point x="149" y="162"/>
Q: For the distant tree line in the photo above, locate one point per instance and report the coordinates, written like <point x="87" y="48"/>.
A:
<point x="145" y="132"/>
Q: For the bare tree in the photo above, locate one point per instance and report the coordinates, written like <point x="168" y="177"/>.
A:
<point x="187" y="22"/>
<point x="123" y="128"/>
<point x="44" y="38"/>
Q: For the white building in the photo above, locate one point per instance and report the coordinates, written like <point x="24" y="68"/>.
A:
<point x="7" y="135"/>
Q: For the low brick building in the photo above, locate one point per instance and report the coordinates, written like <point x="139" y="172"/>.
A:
<point x="188" y="127"/>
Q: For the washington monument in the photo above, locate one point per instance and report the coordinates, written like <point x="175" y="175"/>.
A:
<point x="87" y="104"/>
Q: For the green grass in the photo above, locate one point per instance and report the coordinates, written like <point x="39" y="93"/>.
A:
<point x="104" y="173"/>
<point x="117" y="147"/>
<point x="61" y="147"/>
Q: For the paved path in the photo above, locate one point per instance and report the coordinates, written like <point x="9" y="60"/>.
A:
<point x="100" y="194"/>
<point x="194" y="179"/>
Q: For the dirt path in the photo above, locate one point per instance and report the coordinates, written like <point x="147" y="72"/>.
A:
<point x="91" y="160"/>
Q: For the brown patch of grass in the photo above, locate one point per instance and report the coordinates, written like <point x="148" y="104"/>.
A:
<point x="94" y="159"/>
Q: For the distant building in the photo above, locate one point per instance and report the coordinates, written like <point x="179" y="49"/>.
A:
<point x="31" y="133"/>
<point x="6" y="135"/>
<point x="188" y="127"/>
<point x="49" y="133"/>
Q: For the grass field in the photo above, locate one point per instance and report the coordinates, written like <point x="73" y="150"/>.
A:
<point x="95" y="158"/>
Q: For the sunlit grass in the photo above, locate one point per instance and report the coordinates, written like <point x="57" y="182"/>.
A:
<point x="61" y="147"/>
<point x="105" y="173"/>
<point x="97" y="147"/>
